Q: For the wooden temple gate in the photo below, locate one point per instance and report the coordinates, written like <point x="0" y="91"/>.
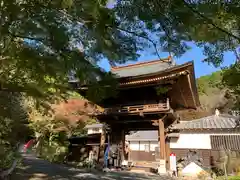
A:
<point x="149" y="96"/>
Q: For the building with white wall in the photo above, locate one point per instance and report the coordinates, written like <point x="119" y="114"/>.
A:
<point x="94" y="128"/>
<point x="208" y="137"/>
<point x="143" y="146"/>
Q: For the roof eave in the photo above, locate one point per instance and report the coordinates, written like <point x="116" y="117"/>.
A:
<point x="177" y="67"/>
<point x="142" y="139"/>
<point x="168" y="59"/>
<point x="206" y="129"/>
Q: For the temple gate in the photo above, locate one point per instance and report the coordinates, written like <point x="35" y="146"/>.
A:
<point x="149" y="96"/>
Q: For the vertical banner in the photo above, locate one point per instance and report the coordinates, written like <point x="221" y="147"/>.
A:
<point x="106" y="154"/>
<point x="173" y="162"/>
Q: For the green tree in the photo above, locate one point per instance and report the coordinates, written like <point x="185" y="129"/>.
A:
<point x="231" y="80"/>
<point x="213" y="93"/>
<point x="41" y="42"/>
<point x="207" y="83"/>
<point x="13" y="128"/>
<point x="210" y="24"/>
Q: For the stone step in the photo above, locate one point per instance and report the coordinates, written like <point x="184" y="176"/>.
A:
<point x="146" y="164"/>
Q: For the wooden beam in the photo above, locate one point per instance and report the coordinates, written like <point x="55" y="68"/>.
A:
<point x="131" y="118"/>
<point x="164" y="82"/>
<point x="153" y="79"/>
<point x="191" y="89"/>
<point x="182" y="96"/>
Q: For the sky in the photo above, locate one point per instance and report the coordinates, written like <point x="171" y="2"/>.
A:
<point x="195" y="54"/>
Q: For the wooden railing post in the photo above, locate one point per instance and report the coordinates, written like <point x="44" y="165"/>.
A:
<point x="168" y="104"/>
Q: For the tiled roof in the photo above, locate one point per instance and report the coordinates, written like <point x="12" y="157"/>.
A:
<point x="142" y="68"/>
<point x="222" y="121"/>
<point x="143" y="136"/>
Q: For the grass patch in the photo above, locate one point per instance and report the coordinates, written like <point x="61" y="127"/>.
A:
<point x="229" y="178"/>
<point x="234" y="178"/>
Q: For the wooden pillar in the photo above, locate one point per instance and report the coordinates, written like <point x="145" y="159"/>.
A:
<point x="162" y="139"/>
<point x="168" y="152"/>
<point x="162" y="166"/>
<point x="123" y="145"/>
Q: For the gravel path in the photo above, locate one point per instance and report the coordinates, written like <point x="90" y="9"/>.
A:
<point x="37" y="169"/>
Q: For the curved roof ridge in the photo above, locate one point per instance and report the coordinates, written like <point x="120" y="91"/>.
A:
<point x="164" y="60"/>
<point x="228" y="115"/>
<point x="199" y="119"/>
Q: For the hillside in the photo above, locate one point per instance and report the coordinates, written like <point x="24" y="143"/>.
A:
<point x="213" y="94"/>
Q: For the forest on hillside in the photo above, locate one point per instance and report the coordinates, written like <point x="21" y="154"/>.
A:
<point x="214" y="93"/>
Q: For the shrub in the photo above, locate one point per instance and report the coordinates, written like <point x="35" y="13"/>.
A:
<point x="203" y="175"/>
<point x="218" y="171"/>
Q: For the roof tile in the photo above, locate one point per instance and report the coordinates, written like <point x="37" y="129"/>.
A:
<point x="142" y="68"/>
<point x="222" y="121"/>
<point x="143" y="135"/>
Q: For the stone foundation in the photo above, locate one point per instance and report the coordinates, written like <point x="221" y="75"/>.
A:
<point x="162" y="167"/>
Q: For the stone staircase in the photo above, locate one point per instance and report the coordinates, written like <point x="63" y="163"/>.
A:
<point x="145" y="166"/>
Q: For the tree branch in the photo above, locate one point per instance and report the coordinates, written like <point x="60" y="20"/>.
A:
<point x="210" y="21"/>
<point x="237" y="55"/>
<point x="26" y="37"/>
<point x="164" y="27"/>
<point x="141" y="36"/>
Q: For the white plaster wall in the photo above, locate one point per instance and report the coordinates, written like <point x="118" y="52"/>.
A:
<point x="134" y="145"/>
<point x="153" y="145"/>
<point x="191" y="141"/>
<point x="91" y="131"/>
<point x="194" y="140"/>
<point x="140" y="146"/>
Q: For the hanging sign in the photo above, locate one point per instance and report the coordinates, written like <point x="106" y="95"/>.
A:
<point x="173" y="162"/>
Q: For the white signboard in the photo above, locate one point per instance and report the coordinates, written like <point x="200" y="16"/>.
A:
<point x="173" y="162"/>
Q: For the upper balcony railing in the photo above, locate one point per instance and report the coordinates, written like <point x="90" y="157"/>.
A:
<point x="146" y="108"/>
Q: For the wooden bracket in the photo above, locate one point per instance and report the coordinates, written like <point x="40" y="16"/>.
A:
<point x="141" y="114"/>
<point x="156" y="122"/>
